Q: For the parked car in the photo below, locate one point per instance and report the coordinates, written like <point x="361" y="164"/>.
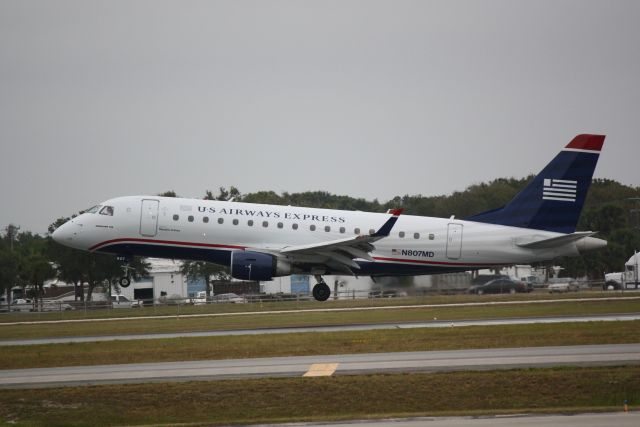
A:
<point x="120" y="301"/>
<point x="22" y="304"/>
<point x="499" y="286"/>
<point x="481" y="279"/>
<point x="56" y="306"/>
<point x="230" y="298"/>
<point x="563" y="285"/>
<point x="200" y="298"/>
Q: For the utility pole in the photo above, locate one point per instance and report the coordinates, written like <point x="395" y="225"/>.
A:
<point x="12" y="232"/>
<point x="635" y="213"/>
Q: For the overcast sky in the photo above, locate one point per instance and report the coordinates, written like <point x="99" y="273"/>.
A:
<point x="364" y="98"/>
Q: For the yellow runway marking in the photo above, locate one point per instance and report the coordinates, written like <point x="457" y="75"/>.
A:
<point x="321" y="370"/>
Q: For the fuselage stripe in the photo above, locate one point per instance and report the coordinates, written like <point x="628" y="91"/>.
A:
<point x="220" y="246"/>
<point x="164" y="242"/>
<point x="419" y="261"/>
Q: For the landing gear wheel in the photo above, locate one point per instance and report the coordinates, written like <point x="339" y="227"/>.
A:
<point x="124" y="282"/>
<point x="321" y="291"/>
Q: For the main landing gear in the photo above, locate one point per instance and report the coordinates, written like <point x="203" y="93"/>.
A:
<point x="321" y="290"/>
<point x="125" y="281"/>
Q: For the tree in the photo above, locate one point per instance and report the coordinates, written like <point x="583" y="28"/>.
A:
<point x="35" y="266"/>
<point x="224" y="195"/>
<point x="9" y="272"/>
<point x="204" y="270"/>
<point x="169" y="193"/>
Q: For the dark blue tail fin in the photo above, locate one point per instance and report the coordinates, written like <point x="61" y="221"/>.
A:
<point x="554" y="199"/>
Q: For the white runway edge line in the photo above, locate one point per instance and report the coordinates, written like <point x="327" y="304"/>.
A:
<point x="319" y="310"/>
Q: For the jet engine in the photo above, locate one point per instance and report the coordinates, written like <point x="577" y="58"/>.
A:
<point x="247" y="265"/>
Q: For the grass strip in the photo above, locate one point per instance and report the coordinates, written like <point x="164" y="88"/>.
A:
<point x="177" y="324"/>
<point x="329" y="398"/>
<point x="172" y="310"/>
<point x="303" y="344"/>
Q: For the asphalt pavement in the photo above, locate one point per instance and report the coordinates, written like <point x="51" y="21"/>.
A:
<point x="370" y="363"/>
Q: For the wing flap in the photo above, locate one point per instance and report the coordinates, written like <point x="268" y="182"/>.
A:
<point x="342" y="252"/>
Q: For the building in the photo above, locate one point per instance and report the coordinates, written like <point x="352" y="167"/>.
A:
<point x="165" y="280"/>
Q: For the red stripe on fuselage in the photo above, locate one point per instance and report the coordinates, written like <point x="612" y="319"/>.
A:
<point x="164" y="242"/>
<point x="214" y="245"/>
<point x="419" y="261"/>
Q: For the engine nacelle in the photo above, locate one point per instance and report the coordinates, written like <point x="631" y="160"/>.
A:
<point x="247" y="265"/>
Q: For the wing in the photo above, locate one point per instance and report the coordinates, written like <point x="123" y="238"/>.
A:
<point x="340" y="254"/>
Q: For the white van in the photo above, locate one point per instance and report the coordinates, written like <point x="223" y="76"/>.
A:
<point x="120" y="301"/>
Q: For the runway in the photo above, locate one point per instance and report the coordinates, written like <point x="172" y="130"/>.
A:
<point x="618" y="419"/>
<point x="370" y="363"/>
<point x="332" y="328"/>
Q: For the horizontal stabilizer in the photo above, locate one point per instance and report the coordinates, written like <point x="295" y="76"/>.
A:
<point x="555" y="241"/>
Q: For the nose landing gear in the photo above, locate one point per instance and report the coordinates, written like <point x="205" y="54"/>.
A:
<point x="321" y="290"/>
<point x="125" y="281"/>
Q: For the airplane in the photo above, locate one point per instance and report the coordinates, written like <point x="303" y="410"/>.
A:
<point x="259" y="242"/>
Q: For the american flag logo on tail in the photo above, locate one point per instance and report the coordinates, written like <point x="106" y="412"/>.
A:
<point x="563" y="190"/>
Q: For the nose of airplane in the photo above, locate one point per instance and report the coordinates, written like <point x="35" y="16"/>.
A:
<point x="67" y="232"/>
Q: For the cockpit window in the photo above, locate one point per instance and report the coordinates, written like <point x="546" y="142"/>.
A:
<point x="107" y="210"/>
<point x="93" y="209"/>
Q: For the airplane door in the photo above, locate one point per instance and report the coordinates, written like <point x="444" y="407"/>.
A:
<point x="454" y="241"/>
<point x="149" y="218"/>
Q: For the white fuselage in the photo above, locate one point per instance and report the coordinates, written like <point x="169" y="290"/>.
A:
<point x="211" y="230"/>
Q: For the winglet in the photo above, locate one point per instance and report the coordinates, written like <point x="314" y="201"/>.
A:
<point x="386" y="228"/>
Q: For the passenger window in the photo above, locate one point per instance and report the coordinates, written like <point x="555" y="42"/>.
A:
<point x="235" y="222"/>
<point x="342" y="230"/>
<point x="250" y="223"/>
<point x="294" y="226"/>
<point x="220" y="220"/>
<point x="107" y="210"/>
<point x="280" y="225"/>
<point x="416" y="235"/>
<point x="401" y="234"/>
<point x="190" y="218"/>
<point x="205" y="219"/>
<point x="432" y="236"/>
<point x="312" y="227"/>
<point x="265" y="224"/>
<point x="176" y="217"/>
<point x="356" y="231"/>
<point x="327" y="228"/>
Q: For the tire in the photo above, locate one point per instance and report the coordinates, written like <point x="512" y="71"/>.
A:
<point x="124" y="282"/>
<point x="321" y="292"/>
